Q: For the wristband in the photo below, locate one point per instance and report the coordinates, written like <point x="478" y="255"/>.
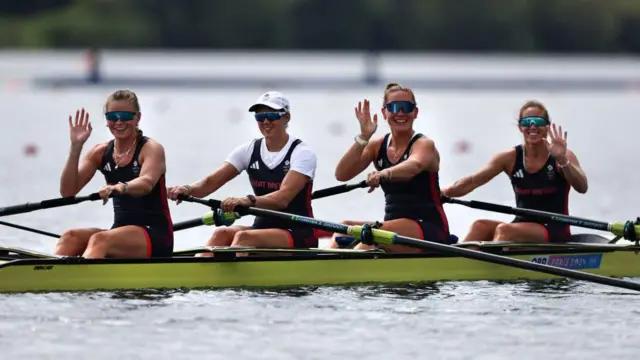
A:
<point x="360" y="140"/>
<point x="126" y="187"/>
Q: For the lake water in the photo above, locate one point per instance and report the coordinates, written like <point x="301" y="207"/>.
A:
<point x="198" y="128"/>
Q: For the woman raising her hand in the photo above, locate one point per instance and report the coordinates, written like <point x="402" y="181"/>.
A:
<point x="542" y="172"/>
<point x="407" y="165"/>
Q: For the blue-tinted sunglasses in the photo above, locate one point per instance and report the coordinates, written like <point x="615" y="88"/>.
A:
<point x="271" y="116"/>
<point x="538" y="121"/>
<point x="120" y="115"/>
<point x="396" y="106"/>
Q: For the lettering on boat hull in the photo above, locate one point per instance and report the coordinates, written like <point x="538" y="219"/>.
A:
<point x="42" y="267"/>
<point x="573" y="262"/>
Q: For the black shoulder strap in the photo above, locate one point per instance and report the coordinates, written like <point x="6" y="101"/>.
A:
<point x="519" y="164"/>
<point x="255" y="153"/>
<point x="415" y="138"/>
<point x="293" y="146"/>
<point x="141" y="141"/>
<point x="383" y="147"/>
<point x="107" y="155"/>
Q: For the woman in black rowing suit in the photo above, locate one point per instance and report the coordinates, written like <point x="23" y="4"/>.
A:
<point x="542" y="173"/>
<point x="407" y="163"/>
<point x="134" y="167"/>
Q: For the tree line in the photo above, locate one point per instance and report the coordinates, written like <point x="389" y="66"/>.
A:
<point x="524" y="26"/>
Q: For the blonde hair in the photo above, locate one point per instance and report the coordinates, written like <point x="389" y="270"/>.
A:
<point x="395" y="87"/>
<point x="534" y="104"/>
<point x="120" y="95"/>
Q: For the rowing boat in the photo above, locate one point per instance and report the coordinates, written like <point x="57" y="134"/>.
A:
<point x="28" y="271"/>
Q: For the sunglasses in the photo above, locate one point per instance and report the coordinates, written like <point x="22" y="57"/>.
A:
<point x="538" y="121"/>
<point x="120" y="115"/>
<point x="396" y="106"/>
<point x="271" y="116"/>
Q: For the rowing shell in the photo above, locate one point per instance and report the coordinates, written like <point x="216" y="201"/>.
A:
<point x="23" y="270"/>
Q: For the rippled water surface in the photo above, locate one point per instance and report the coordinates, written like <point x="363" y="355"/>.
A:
<point x="480" y="320"/>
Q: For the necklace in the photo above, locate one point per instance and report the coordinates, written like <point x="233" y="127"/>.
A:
<point x="396" y="153"/>
<point x="119" y="155"/>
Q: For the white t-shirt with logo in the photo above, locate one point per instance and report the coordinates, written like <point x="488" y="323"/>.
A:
<point x="303" y="158"/>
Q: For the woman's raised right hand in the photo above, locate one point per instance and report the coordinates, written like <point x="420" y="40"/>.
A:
<point x="80" y="129"/>
<point x="368" y="126"/>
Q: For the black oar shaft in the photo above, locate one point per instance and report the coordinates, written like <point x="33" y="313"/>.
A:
<point x="384" y="237"/>
<point x="542" y="215"/>
<point x="188" y="224"/>
<point x="16" y="226"/>
<point x="503" y="260"/>
<point x="47" y="204"/>
<point x="335" y="190"/>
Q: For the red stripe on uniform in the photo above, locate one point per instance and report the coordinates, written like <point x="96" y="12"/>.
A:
<point x="567" y="189"/>
<point x="149" y="244"/>
<point x="165" y="207"/>
<point x="308" y="197"/>
<point x="435" y="196"/>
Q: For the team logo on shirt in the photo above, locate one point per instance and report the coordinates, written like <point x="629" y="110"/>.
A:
<point x="551" y="174"/>
<point x="136" y="168"/>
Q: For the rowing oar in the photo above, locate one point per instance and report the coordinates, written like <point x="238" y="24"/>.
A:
<point x="44" y="204"/>
<point x="29" y="229"/>
<point x="629" y="229"/>
<point x="369" y="236"/>
<point x="207" y="219"/>
<point x="47" y="204"/>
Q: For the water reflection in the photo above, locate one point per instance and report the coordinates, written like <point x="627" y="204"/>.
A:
<point x="147" y="294"/>
<point x="286" y="292"/>
<point x="411" y="291"/>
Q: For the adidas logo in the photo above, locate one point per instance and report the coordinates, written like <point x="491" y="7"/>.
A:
<point x="107" y="167"/>
<point x="255" y="166"/>
<point x="518" y="174"/>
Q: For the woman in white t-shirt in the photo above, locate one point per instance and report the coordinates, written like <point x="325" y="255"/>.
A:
<point x="281" y="169"/>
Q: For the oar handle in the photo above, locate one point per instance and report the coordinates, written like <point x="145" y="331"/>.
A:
<point x="47" y="204"/>
<point x="212" y="203"/>
<point x="478" y="205"/>
<point x="339" y="189"/>
<point x="215" y="204"/>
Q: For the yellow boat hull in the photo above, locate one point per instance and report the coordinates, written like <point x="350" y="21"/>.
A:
<point x="44" y="274"/>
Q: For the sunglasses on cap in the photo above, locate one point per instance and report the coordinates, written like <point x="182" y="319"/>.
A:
<point x="396" y="106"/>
<point x="120" y="115"/>
<point x="271" y="116"/>
<point x="538" y="121"/>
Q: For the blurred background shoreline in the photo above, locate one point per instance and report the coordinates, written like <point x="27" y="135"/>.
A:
<point x="319" y="69"/>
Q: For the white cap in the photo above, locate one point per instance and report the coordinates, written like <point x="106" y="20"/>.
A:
<point x="273" y="99"/>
